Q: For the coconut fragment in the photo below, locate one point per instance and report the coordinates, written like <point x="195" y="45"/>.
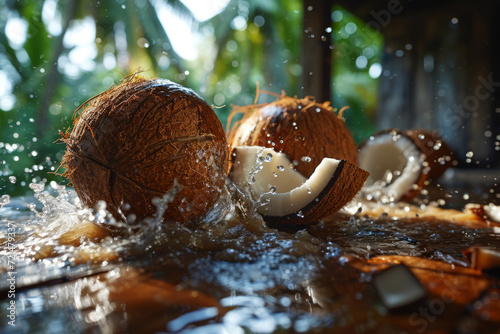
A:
<point x="483" y="258"/>
<point x="493" y="212"/>
<point x="395" y="164"/>
<point x="398" y="287"/>
<point x="284" y="194"/>
<point x="489" y="213"/>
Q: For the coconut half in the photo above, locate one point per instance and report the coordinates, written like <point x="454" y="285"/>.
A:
<point x="284" y="194"/>
<point x="395" y="164"/>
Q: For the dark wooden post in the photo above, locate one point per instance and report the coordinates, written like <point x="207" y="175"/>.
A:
<point x="316" y="49"/>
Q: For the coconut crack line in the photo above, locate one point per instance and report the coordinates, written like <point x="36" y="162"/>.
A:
<point x="154" y="149"/>
<point x="112" y="171"/>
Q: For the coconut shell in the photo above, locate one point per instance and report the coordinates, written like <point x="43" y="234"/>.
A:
<point x="302" y="128"/>
<point x="344" y="184"/>
<point x="424" y="172"/>
<point x="438" y="155"/>
<point x="131" y="142"/>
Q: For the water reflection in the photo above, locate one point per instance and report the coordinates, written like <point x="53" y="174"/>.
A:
<point x="231" y="274"/>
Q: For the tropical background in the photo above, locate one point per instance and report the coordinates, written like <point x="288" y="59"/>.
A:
<point x="55" y="54"/>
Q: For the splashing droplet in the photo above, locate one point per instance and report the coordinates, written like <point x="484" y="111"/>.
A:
<point x="4" y="200"/>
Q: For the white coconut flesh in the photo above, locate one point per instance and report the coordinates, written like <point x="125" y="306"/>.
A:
<point x="395" y="165"/>
<point x="279" y="188"/>
<point x="493" y="212"/>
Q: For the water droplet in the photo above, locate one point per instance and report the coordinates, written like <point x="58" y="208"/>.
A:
<point x="275" y="174"/>
<point x="272" y="189"/>
<point x="37" y="187"/>
<point x="305" y="159"/>
<point x="469" y="154"/>
<point x="280" y="168"/>
<point x="269" y="157"/>
<point x="4" y="200"/>
<point x="299" y="138"/>
<point x="12" y="179"/>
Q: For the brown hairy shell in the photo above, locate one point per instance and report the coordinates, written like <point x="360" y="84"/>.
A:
<point x="438" y="155"/>
<point x="302" y="128"/>
<point x="131" y="142"/>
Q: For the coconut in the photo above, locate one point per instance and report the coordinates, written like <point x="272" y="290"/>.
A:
<point x="137" y="140"/>
<point x="305" y="130"/>
<point x="287" y="196"/>
<point x="400" y="163"/>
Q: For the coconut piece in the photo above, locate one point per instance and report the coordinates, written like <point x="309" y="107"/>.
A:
<point x="395" y="164"/>
<point x="398" y="287"/>
<point x="438" y="155"/>
<point x="488" y="213"/>
<point x="492" y="211"/>
<point x="133" y="142"/>
<point x="483" y="258"/>
<point x="305" y="130"/>
<point x="284" y="194"/>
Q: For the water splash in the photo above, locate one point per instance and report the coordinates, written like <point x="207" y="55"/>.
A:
<point x="4" y="200"/>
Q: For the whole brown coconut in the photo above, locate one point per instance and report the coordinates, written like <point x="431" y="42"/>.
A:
<point x="131" y="142"/>
<point x="302" y="128"/>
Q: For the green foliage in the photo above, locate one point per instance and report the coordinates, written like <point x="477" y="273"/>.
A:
<point x="352" y="84"/>
<point x="265" y="52"/>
